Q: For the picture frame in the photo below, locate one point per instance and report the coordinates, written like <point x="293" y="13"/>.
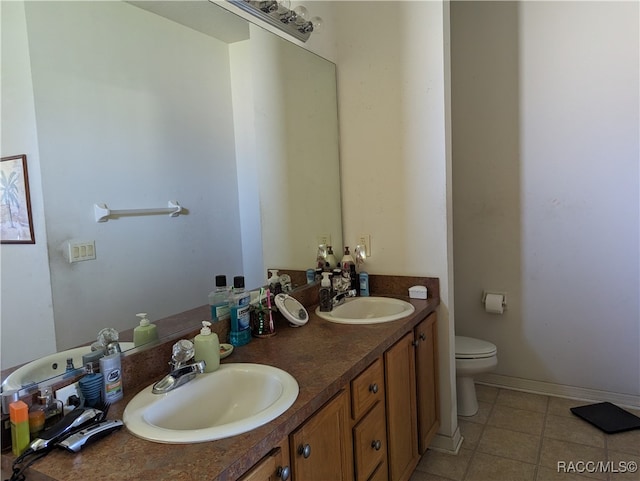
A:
<point x="16" y="223"/>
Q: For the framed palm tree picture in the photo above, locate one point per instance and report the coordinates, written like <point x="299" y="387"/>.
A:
<point x="16" y="224"/>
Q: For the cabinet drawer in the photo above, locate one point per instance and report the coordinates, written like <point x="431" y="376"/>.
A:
<point x="367" y="389"/>
<point x="370" y="442"/>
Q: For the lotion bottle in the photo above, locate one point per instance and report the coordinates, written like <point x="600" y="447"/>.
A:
<point x="145" y="332"/>
<point x="207" y="348"/>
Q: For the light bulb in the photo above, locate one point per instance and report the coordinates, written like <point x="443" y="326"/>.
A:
<point x="318" y="24"/>
<point x="301" y="14"/>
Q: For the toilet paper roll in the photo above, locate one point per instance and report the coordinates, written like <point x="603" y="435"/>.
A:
<point x="493" y="303"/>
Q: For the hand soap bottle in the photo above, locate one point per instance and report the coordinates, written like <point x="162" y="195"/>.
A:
<point x="145" y="332"/>
<point x="207" y="347"/>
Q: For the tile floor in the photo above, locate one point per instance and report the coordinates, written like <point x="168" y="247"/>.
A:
<point x="518" y="436"/>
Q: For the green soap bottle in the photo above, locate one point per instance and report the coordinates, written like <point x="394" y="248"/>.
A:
<point x="207" y="347"/>
<point x="145" y="332"/>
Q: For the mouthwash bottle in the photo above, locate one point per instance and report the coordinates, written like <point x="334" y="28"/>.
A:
<point x="239" y="307"/>
<point x="219" y="300"/>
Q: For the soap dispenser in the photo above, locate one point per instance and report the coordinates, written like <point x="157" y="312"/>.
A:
<point x="145" y="332"/>
<point x="325" y="293"/>
<point x="207" y="348"/>
<point x="346" y="261"/>
<point x="331" y="258"/>
<point x="274" y="281"/>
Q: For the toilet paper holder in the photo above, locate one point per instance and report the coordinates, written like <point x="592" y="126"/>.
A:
<point x="496" y="293"/>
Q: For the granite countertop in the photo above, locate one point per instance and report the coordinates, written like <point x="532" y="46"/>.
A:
<point x="322" y="356"/>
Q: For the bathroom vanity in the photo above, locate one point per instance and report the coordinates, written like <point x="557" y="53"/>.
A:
<point x="366" y="410"/>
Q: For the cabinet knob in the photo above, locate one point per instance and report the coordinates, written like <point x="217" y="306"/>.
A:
<point x="376" y="444"/>
<point x="373" y="388"/>
<point x="283" y="472"/>
<point x="415" y="343"/>
<point x="305" y="450"/>
<point x="423" y="336"/>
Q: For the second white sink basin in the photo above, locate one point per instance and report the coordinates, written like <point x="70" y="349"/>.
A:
<point x="368" y="310"/>
<point x="236" y="398"/>
<point x="49" y="366"/>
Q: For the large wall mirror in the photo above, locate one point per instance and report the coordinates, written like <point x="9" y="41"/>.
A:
<point x="139" y="103"/>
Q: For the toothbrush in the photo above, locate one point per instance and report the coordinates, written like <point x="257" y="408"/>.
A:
<point x="271" y="328"/>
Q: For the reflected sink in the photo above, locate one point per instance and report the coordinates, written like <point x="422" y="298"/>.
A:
<point x="49" y="366"/>
<point x="368" y="310"/>
<point x="236" y="398"/>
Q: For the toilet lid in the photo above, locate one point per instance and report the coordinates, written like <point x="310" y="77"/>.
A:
<point x="471" y="348"/>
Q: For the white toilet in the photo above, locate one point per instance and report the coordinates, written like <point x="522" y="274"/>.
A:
<point x="473" y="356"/>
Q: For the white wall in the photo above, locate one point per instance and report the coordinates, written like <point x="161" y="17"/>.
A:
<point x="25" y="281"/>
<point x="392" y="84"/>
<point x="131" y="119"/>
<point x="546" y="197"/>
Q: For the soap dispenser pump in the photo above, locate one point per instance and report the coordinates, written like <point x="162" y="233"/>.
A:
<point x="207" y="348"/>
<point x="145" y="332"/>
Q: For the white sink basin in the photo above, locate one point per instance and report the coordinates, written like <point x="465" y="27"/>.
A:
<point x="368" y="310"/>
<point x="232" y="400"/>
<point x="49" y="366"/>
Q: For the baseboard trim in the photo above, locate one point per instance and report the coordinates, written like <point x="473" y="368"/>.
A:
<point x="560" y="390"/>
<point x="447" y="444"/>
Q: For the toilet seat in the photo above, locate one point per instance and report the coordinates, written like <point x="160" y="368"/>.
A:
<point x="471" y="348"/>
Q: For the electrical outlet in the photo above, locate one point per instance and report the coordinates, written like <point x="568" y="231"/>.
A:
<point x="324" y="239"/>
<point x="64" y="393"/>
<point x="365" y="240"/>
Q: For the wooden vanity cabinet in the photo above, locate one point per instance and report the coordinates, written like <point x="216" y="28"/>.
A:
<point x="373" y="430"/>
<point x="273" y="467"/>
<point x="321" y="448"/>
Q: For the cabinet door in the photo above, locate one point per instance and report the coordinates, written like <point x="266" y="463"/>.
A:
<point x="273" y="467"/>
<point x="426" y="335"/>
<point x="321" y="449"/>
<point x="402" y="432"/>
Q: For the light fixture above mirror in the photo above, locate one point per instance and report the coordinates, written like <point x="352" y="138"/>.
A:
<point x="295" y="21"/>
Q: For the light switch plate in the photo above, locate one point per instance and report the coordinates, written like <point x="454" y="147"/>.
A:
<point x="81" y="251"/>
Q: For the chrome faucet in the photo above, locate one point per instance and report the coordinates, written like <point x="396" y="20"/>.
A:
<point x="341" y="296"/>
<point x="181" y="372"/>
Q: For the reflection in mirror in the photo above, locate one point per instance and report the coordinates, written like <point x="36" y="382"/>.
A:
<point x="133" y="109"/>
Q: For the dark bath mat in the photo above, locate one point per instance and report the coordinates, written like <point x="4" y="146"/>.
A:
<point x="607" y="417"/>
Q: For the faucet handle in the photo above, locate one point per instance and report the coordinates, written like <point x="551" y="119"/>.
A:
<point x="183" y="350"/>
